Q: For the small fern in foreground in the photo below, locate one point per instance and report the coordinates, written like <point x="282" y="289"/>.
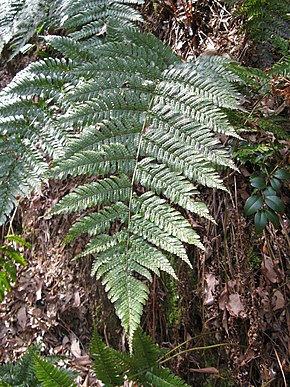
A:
<point x="21" y="372"/>
<point x="9" y="257"/>
<point x="50" y="375"/>
<point x="113" y="367"/>
<point x="33" y="371"/>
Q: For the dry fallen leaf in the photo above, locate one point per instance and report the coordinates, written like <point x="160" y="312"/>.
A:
<point x="268" y="269"/>
<point x="22" y="317"/>
<point x="211" y="283"/>
<point x="235" y="306"/>
<point x="75" y="347"/>
<point x="207" y="370"/>
<point x="278" y="301"/>
<point x="77" y="300"/>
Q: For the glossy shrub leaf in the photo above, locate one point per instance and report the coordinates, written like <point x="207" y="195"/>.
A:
<point x="282" y="174"/>
<point x="273" y="218"/>
<point x="270" y="192"/>
<point x="275" y="203"/>
<point x="258" y="182"/>
<point x="275" y="184"/>
<point x="260" y="221"/>
<point x="253" y="204"/>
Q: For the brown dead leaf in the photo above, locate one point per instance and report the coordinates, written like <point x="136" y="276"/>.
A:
<point x="244" y="171"/>
<point x="223" y="298"/>
<point x="278" y="301"/>
<point x="22" y="317"/>
<point x="211" y="283"/>
<point x="77" y="300"/>
<point x="235" y="306"/>
<point x="207" y="370"/>
<point x="75" y="347"/>
<point x="268" y="269"/>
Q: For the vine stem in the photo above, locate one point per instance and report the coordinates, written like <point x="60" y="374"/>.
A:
<point x="199" y="349"/>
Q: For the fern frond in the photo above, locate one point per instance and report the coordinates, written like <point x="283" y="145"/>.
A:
<point x="174" y="186"/>
<point x="164" y="378"/>
<point x="179" y="157"/>
<point x="188" y="80"/>
<point x="99" y="222"/>
<point x="106" y="191"/>
<point x="155" y="235"/>
<point x="19" y="20"/>
<point x="155" y="209"/>
<point x="51" y="376"/>
<point x="106" y="161"/>
<point x="128" y="293"/>
<point x="145" y="254"/>
<point x="102" y="243"/>
<point x="70" y="48"/>
<point x="106" y="133"/>
<point x="141" y="112"/>
<point x="21" y="372"/>
<point x="82" y="13"/>
<point x="146" y="353"/>
<point x="105" y="364"/>
<point x="282" y="67"/>
<point x="18" y="161"/>
<point x="44" y="79"/>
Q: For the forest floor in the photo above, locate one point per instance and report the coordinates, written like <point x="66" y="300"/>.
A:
<point x="235" y="298"/>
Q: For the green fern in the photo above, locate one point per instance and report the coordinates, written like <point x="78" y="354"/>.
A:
<point x="113" y="367"/>
<point x="32" y="371"/>
<point x="129" y="113"/>
<point x="19" y="21"/>
<point x="145" y="119"/>
<point x="9" y="257"/>
<point x="29" y="106"/>
<point x="266" y="20"/>
<point x="51" y="376"/>
<point x="20" y="373"/>
<point x="86" y="19"/>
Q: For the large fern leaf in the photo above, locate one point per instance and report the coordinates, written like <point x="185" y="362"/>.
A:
<point x="147" y="122"/>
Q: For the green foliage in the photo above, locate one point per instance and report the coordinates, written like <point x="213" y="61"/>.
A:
<point x="147" y="122"/>
<point x="265" y="202"/>
<point x="20" y="20"/>
<point x="113" y="367"/>
<point x="266" y="20"/>
<point x="30" y="105"/>
<point x="145" y="126"/>
<point x="9" y="257"/>
<point x="20" y="373"/>
<point x="51" y="376"/>
<point x="33" y="371"/>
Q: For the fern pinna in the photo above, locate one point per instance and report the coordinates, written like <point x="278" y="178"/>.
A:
<point x="148" y="127"/>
